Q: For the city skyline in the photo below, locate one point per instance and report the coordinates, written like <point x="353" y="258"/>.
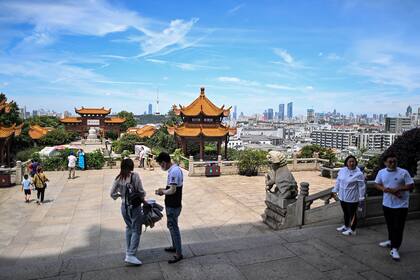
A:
<point x="349" y="55"/>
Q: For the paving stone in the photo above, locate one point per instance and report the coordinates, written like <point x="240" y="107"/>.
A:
<point x="291" y="268"/>
<point x="147" y="271"/>
<point x="260" y="254"/>
<point x="373" y="275"/>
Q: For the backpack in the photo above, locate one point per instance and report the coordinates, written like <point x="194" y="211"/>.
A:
<point x="133" y="197"/>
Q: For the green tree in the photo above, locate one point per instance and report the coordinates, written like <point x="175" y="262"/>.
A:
<point x="162" y="140"/>
<point x="12" y="116"/>
<point x="250" y="161"/>
<point x="45" y="121"/>
<point x="58" y="136"/>
<point x="171" y="119"/>
<point x="126" y="142"/>
<point x="129" y="120"/>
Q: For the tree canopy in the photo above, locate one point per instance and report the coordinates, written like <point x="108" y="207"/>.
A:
<point x="129" y="120"/>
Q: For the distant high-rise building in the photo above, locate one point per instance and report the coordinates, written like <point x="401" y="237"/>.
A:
<point x="235" y="112"/>
<point x="281" y="112"/>
<point x="265" y="115"/>
<point x="397" y="125"/>
<point x="310" y="117"/>
<point x="409" y="111"/>
<point x="290" y="110"/>
<point x="381" y="118"/>
<point x="35" y="113"/>
<point x="150" y="109"/>
<point x="270" y="114"/>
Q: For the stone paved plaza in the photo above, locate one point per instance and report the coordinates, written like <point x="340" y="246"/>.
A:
<point x="79" y="234"/>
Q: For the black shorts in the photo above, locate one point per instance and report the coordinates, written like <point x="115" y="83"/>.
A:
<point x="27" y="192"/>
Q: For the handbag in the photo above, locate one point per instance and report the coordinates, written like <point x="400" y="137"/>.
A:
<point x="44" y="184"/>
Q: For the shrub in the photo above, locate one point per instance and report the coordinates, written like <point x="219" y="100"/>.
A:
<point x="126" y="142"/>
<point x="95" y="160"/>
<point x="54" y="163"/>
<point x="250" y="161"/>
<point x="125" y="154"/>
<point x="26" y="154"/>
<point x="111" y="135"/>
<point x="58" y="137"/>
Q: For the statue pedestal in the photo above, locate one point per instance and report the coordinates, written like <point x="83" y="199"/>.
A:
<point x="278" y="201"/>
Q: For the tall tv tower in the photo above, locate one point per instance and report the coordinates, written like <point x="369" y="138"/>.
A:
<point x="157" y="102"/>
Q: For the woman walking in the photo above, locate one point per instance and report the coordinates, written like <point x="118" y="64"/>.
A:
<point x="128" y="186"/>
<point x="81" y="160"/>
<point x="40" y="182"/>
<point x="350" y="188"/>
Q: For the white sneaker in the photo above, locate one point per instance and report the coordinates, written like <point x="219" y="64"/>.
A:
<point x="132" y="260"/>
<point x="394" y="254"/>
<point x="385" y="244"/>
<point x="349" y="232"/>
<point x="342" y="228"/>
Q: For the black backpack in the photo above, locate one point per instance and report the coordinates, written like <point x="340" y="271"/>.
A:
<point x="133" y="197"/>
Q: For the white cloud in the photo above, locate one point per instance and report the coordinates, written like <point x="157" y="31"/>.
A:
<point x="333" y="56"/>
<point x="93" y="18"/>
<point x="154" y="42"/>
<point x="235" y="9"/>
<point x="237" y="81"/>
<point x="278" y="86"/>
<point x="287" y="58"/>
<point x="96" y="18"/>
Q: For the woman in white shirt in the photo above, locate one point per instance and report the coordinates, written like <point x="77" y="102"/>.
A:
<point x="350" y="188"/>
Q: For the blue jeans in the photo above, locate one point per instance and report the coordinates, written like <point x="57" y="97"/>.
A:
<point x="172" y="215"/>
<point x="133" y="218"/>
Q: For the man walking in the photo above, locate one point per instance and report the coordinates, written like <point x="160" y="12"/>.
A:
<point x="173" y="205"/>
<point x="396" y="183"/>
<point x="72" y="165"/>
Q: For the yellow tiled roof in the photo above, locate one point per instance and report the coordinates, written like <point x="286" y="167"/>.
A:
<point x="36" y="132"/>
<point x="93" y="111"/>
<point x="145" y="131"/>
<point x="6" y="132"/>
<point x="71" y="120"/>
<point x="202" y="105"/>
<point x="194" y="131"/>
<point x="114" y="120"/>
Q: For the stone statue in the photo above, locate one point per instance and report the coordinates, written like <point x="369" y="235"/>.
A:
<point x="279" y="181"/>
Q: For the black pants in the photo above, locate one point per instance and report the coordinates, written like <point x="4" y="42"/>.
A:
<point x="395" y="221"/>
<point x="40" y="193"/>
<point x="350" y="216"/>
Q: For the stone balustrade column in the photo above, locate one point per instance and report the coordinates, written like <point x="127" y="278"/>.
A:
<point x="190" y="165"/>
<point x="19" y="172"/>
<point x="301" y="203"/>
<point x="294" y="161"/>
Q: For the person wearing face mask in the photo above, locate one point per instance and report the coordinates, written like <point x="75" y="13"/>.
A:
<point x="395" y="183"/>
<point x="350" y="188"/>
<point x="173" y="202"/>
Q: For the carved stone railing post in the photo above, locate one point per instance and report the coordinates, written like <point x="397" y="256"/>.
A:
<point x="295" y="161"/>
<point x="301" y="203"/>
<point x="191" y="166"/>
<point x="19" y="172"/>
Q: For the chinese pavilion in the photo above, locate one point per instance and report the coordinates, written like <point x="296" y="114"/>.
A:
<point x="201" y="122"/>
<point x="7" y="132"/>
<point x="92" y="117"/>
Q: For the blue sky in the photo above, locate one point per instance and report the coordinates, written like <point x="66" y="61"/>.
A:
<point x="354" y="56"/>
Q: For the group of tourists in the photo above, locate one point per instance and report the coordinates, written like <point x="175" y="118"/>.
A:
<point x="128" y="186"/>
<point x="37" y="181"/>
<point x="393" y="181"/>
<point x="74" y="162"/>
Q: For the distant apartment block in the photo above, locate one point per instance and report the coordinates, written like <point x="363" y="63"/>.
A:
<point x="310" y="116"/>
<point x="397" y="125"/>
<point x="375" y="141"/>
<point x="334" y="138"/>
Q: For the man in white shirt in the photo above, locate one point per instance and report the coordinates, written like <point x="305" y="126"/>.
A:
<point x="72" y="165"/>
<point x="396" y="183"/>
<point x="173" y="202"/>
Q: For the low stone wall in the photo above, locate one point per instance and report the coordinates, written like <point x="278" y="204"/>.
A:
<point x="198" y="168"/>
<point x="298" y="213"/>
